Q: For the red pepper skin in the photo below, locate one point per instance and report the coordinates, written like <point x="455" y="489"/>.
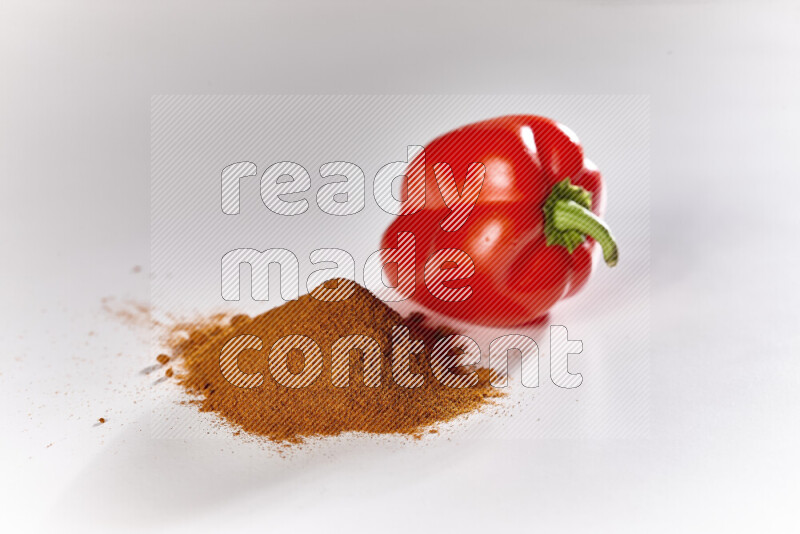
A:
<point x="518" y="277"/>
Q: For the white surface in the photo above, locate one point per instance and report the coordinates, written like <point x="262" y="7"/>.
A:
<point x="723" y="80"/>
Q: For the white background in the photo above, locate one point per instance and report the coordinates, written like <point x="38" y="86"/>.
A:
<point x="76" y="80"/>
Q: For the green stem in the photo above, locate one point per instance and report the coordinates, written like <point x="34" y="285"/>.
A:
<point x="568" y="216"/>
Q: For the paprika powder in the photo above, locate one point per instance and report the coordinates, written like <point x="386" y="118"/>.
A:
<point x="288" y="415"/>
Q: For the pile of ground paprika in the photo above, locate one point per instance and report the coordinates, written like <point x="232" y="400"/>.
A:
<point x="290" y="415"/>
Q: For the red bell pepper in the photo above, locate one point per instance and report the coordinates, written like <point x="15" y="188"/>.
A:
<point x="530" y="232"/>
